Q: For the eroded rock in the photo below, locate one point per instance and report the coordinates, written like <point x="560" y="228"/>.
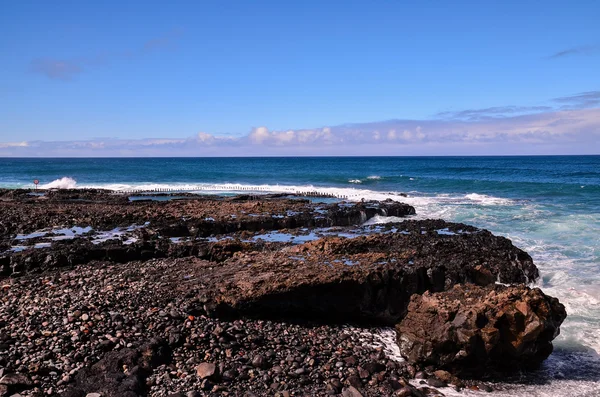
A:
<point x="471" y="330"/>
<point x="369" y="278"/>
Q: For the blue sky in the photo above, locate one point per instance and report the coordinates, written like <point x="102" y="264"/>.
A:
<point x="299" y="77"/>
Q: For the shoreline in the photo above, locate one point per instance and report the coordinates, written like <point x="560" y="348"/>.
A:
<point x="278" y="214"/>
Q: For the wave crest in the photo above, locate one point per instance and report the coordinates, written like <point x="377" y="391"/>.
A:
<point x="62" y="183"/>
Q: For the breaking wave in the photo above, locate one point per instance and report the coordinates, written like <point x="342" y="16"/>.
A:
<point x="62" y="183"/>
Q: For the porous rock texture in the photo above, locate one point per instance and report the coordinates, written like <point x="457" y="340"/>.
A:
<point x="471" y="330"/>
<point x="365" y="279"/>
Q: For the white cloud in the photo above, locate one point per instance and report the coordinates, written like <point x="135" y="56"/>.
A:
<point x="205" y="138"/>
<point x="13" y="144"/>
<point x="153" y="142"/>
<point x="259" y="135"/>
<point x="573" y="131"/>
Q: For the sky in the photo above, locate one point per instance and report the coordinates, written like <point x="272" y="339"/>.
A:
<point x="254" y="78"/>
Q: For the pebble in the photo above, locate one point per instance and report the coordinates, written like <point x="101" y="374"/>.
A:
<point x="206" y="370"/>
<point x="435" y="382"/>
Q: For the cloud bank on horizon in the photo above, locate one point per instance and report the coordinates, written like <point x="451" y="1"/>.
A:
<point x="570" y="127"/>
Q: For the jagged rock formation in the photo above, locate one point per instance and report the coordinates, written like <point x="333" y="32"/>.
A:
<point x="471" y="330"/>
<point x="368" y="278"/>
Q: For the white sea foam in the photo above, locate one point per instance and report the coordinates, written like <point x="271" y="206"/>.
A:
<point x="385" y="338"/>
<point x="357" y="181"/>
<point x="426" y="205"/>
<point x="488" y="200"/>
<point x="351" y="194"/>
<point x="379" y="220"/>
<point x="374" y="177"/>
<point x="62" y="183"/>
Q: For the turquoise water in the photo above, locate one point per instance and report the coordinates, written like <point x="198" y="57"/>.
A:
<point x="547" y="205"/>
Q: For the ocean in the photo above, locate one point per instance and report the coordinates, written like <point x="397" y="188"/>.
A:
<point x="547" y="205"/>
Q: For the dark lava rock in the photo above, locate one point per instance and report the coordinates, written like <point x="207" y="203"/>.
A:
<point x="368" y="278"/>
<point x="198" y="218"/>
<point x="201" y="215"/>
<point x="259" y="361"/>
<point x="470" y="331"/>
<point x="15" y="380"/>
<point x="13" y="383"/>
<point x="199" y="296"/>
<point x="435" y="382"/>
<point x="121" y="373"/>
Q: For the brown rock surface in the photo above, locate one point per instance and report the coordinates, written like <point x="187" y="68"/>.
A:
<point x="470" y="330"/>
<point x="196" y="215"/>
<point x="368" y="278"/>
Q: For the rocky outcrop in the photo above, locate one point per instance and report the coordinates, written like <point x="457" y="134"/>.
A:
<point x="194" y="219"/>
<point x="435" y="279"/>
<point x="79" y="251"/>
<point x="368" y="278"/>
<point x="471" y="330"/>
<point x="198" y="216"/>
<point x="112" y="311"/>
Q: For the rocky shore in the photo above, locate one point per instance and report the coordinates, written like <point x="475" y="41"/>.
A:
<point x="256" y="296"/>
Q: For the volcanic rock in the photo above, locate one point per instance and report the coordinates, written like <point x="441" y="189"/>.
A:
<point x="206" y="370"/>
<point x="201" y="215"/>
<point x="121" y="373"/>
<point x="201" y="280"/>
<point x="15" y="380"/>
<point x="153" y="224"/>
<point x="368" y="278"/>
<point x="351" y="392"/>
<point x="471" y="330"/>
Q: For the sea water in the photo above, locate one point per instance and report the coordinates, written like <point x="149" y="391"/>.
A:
<point x="547" y="205"/>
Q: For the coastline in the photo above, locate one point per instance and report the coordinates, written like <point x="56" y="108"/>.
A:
<point x="135" y="271"/>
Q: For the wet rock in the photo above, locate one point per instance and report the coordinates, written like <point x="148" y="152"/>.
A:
<point x="435" y="382"/>
<point x="471" y="330"/>
<point x="406" y="391"/>
<point x="175" y="230"/>
<point x="202" y="217"/>
<point x="444" y="376"/>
